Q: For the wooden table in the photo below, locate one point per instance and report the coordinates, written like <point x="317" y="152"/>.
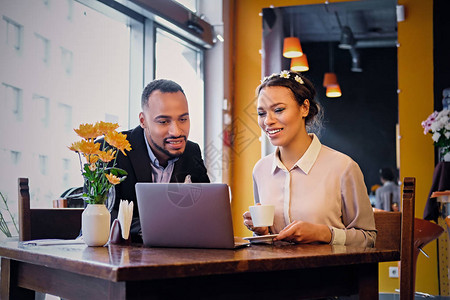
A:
<point x="134" y="272"/>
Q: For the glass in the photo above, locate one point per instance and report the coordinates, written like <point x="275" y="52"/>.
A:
<point x="71" y="66"/>
<point x="177" y="60"/>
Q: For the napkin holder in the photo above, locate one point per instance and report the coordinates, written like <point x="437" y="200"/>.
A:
<point x="115" y="236"/>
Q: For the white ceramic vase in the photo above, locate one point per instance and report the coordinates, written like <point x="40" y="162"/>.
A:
<point x="95" y="224"/>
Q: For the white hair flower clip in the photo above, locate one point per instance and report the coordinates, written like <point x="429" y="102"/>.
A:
<point x="299" y="79"/>
<point x="284" y="74"/>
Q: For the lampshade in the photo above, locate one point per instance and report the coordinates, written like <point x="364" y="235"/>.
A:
<point x="329" y="79"/>
<point x="299" y="64"/>
<point x="333" y="91"/>
<point x="292" y="47"/>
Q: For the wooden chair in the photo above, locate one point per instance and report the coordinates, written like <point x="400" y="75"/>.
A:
<point x="395" y="231"/>
<point x="51" y="223"/>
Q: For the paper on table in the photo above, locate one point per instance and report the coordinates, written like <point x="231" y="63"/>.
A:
<point x="125" y="216"/>
<point x="50" y="242"/>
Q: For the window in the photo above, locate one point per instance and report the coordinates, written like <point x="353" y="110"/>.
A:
<point x="66" y="60"/>
<point x="15" y="157"/>
<point x="65" y="117"/>
<point x="69" y="11"/>
<point x="13" y="99"/>
<point x="66" y="164"/>
<point x="182" y="62"/>
<point x="66" y="171"/>
<point x="42" y="109"/>
<point x="42" y="48"/>
<point x="14" y="32"/>
<point x="43" y="164"/>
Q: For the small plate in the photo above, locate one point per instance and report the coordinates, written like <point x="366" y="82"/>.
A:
<point x="261" y="238"/>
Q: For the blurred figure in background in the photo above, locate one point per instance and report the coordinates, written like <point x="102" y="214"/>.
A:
<point x="387" y="197"/>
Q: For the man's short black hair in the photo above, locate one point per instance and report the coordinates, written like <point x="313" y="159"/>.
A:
<point x="387" y="174"/>
<point x="163" y="85"/>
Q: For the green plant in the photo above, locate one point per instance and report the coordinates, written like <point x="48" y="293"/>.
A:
<point x="3" y="225"/>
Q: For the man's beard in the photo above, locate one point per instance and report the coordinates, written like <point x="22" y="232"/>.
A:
<point x="165" y="151"/>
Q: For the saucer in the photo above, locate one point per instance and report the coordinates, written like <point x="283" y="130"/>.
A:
<point x="261" y="238"/>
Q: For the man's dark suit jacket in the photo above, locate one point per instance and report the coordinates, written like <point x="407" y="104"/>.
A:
<point x="137" y="165"/>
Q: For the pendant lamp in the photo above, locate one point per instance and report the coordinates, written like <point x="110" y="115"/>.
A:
<point x="333" y="91"/>
<point x="299" y="64"/>
<point x="291" y="45"/>
<point x="347" y="38"/>
<point x="330" y="79"/>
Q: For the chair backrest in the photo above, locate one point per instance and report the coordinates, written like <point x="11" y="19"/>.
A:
<point x="396" y="231"/>
<point x="51" y="223"/>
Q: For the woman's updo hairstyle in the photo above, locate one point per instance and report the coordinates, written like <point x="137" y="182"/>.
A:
<point x="302" y="89"/>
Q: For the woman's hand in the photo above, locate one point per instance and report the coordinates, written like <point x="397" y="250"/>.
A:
<point x="304" y="232"/>
<point x="249" y="224"/>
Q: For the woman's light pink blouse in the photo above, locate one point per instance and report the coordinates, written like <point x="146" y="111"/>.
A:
<point x="324" y="187"/>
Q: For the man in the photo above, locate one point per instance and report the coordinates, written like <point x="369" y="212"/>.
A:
<point x="161" y="151"/>
<point x="387" y="197"/>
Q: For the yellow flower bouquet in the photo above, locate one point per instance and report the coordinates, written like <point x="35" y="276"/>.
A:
<point x="99" y="171"/>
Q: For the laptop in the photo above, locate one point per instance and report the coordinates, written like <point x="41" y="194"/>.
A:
<point x="188" y="215"/>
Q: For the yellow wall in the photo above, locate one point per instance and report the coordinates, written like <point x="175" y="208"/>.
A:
<point x="415" y="70"/>
<point x="415" y="81"/>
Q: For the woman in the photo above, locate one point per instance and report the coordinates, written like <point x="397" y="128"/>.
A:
<point x="319" y="193"/>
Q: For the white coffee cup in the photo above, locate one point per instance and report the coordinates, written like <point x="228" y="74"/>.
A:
<point x="262" y="215"/>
